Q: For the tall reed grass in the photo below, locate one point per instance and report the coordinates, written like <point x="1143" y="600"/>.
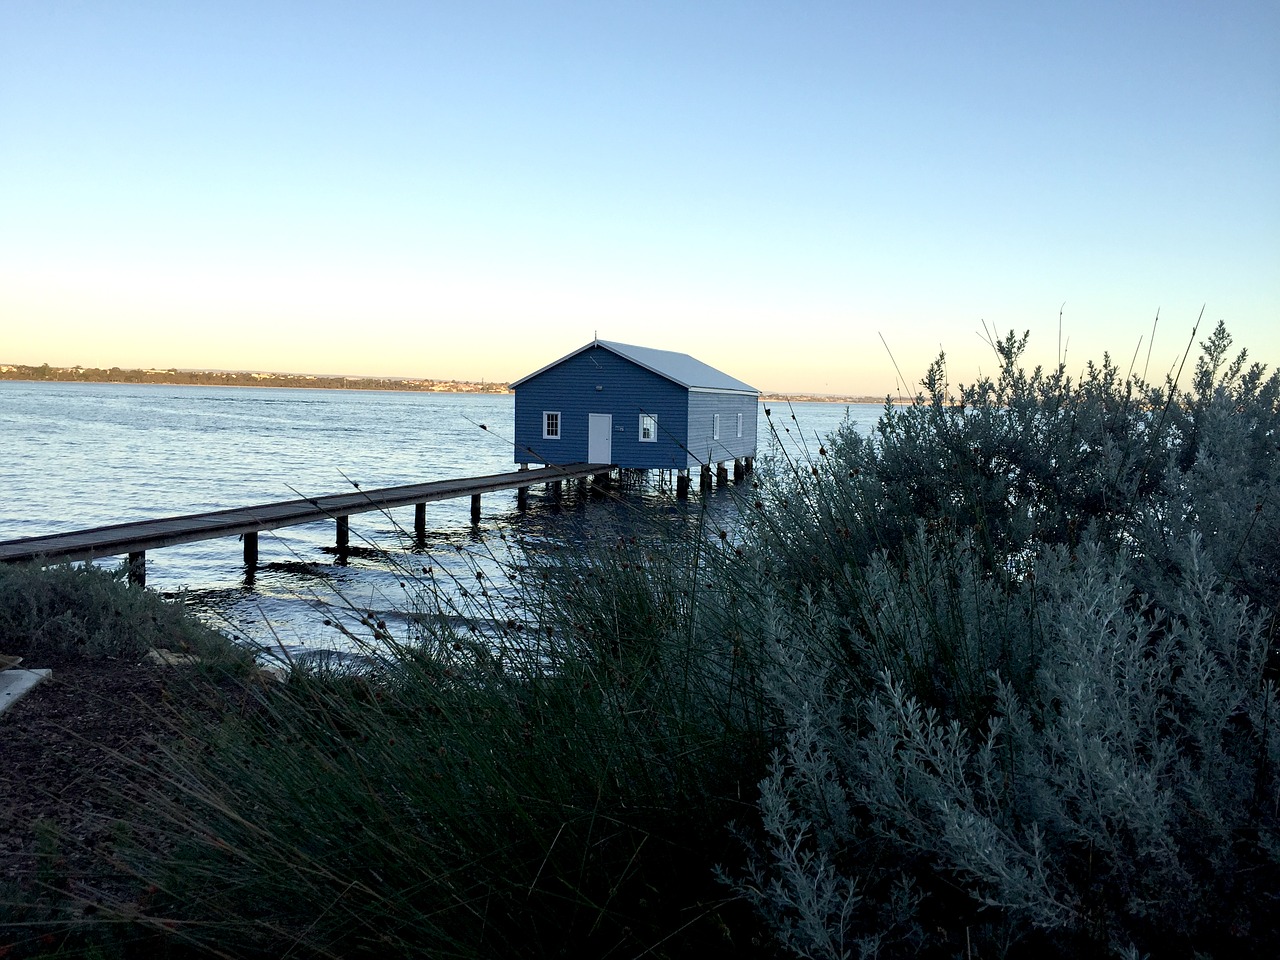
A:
<point x="557" y="783"/>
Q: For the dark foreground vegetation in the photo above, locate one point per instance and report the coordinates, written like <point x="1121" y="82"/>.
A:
<point x="996" y="680"/>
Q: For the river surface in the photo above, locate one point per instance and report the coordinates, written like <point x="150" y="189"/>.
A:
<point x="79" y="455"/>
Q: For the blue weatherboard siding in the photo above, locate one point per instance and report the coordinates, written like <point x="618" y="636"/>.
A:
<point x="627" y="390"/>
<point x="702" y="408"/>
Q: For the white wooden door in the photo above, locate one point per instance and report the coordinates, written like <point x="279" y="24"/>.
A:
<point x="600" y="438"/>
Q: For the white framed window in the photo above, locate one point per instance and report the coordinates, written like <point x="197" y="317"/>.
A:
<point x="739" y="424"/>
<point x="648" y="428"/>
<point x="715" y="426"/>
<point x="551" y="425"/>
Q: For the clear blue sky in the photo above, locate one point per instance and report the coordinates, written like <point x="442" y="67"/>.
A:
<point x="473" y="189"/>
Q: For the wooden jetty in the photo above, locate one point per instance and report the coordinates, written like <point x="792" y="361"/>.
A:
<point x="135" y="539"/>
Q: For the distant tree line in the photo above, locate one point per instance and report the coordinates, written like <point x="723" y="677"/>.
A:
<point x="225" y="378"/>
<point x="232" y="378"/>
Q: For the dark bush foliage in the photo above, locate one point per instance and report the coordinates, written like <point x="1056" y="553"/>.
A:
<point x="1032" y="706"/>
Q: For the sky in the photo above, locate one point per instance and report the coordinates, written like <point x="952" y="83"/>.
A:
<point x="811" y="196"/>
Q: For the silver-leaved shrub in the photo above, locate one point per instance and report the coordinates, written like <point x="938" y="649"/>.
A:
<point x="1027" y="695"/>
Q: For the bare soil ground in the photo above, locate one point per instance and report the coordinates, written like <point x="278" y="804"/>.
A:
<point x="68" y="750"/>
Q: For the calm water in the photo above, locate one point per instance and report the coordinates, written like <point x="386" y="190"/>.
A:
<point x="82" y="455"/>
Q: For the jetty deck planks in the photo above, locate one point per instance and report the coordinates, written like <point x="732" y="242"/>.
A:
<point x="137" y="537"/>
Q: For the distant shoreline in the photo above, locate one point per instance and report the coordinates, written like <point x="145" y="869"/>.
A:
<point x="248" y="378"/>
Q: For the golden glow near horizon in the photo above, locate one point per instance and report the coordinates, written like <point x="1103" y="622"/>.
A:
<point x="453" y="196"/>
<point x="410" y="324"/>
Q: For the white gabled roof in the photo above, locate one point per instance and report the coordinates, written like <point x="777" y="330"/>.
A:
<point x="679" y="368"/>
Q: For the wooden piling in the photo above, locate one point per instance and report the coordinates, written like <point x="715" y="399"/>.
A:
<point x="722" y="474"/>
<point x="344" y="533"/>
<point x="420" y="521"/>
<point x="682" y="485"/>
<point x="475" y="508"/>
<point x="138" y="568"/>
<point x="251" y="548"/>
<point x="522" y="493"/>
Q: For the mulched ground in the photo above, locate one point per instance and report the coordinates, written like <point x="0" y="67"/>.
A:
<point x="67" y="750"/>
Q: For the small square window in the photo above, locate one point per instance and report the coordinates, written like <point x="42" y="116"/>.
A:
<point x="715" y="426"/>
<point x="551" y="425"/>
<point x="648" y="428"/>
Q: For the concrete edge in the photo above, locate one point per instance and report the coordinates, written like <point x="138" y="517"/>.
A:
<point x="15" y="684"/>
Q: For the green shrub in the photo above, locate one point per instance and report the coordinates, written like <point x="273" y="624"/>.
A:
<point x="92" y="611"/>
<point x="1026" y="694"/>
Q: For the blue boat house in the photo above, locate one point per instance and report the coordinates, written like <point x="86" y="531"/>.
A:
<point x="636" y="408"/>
